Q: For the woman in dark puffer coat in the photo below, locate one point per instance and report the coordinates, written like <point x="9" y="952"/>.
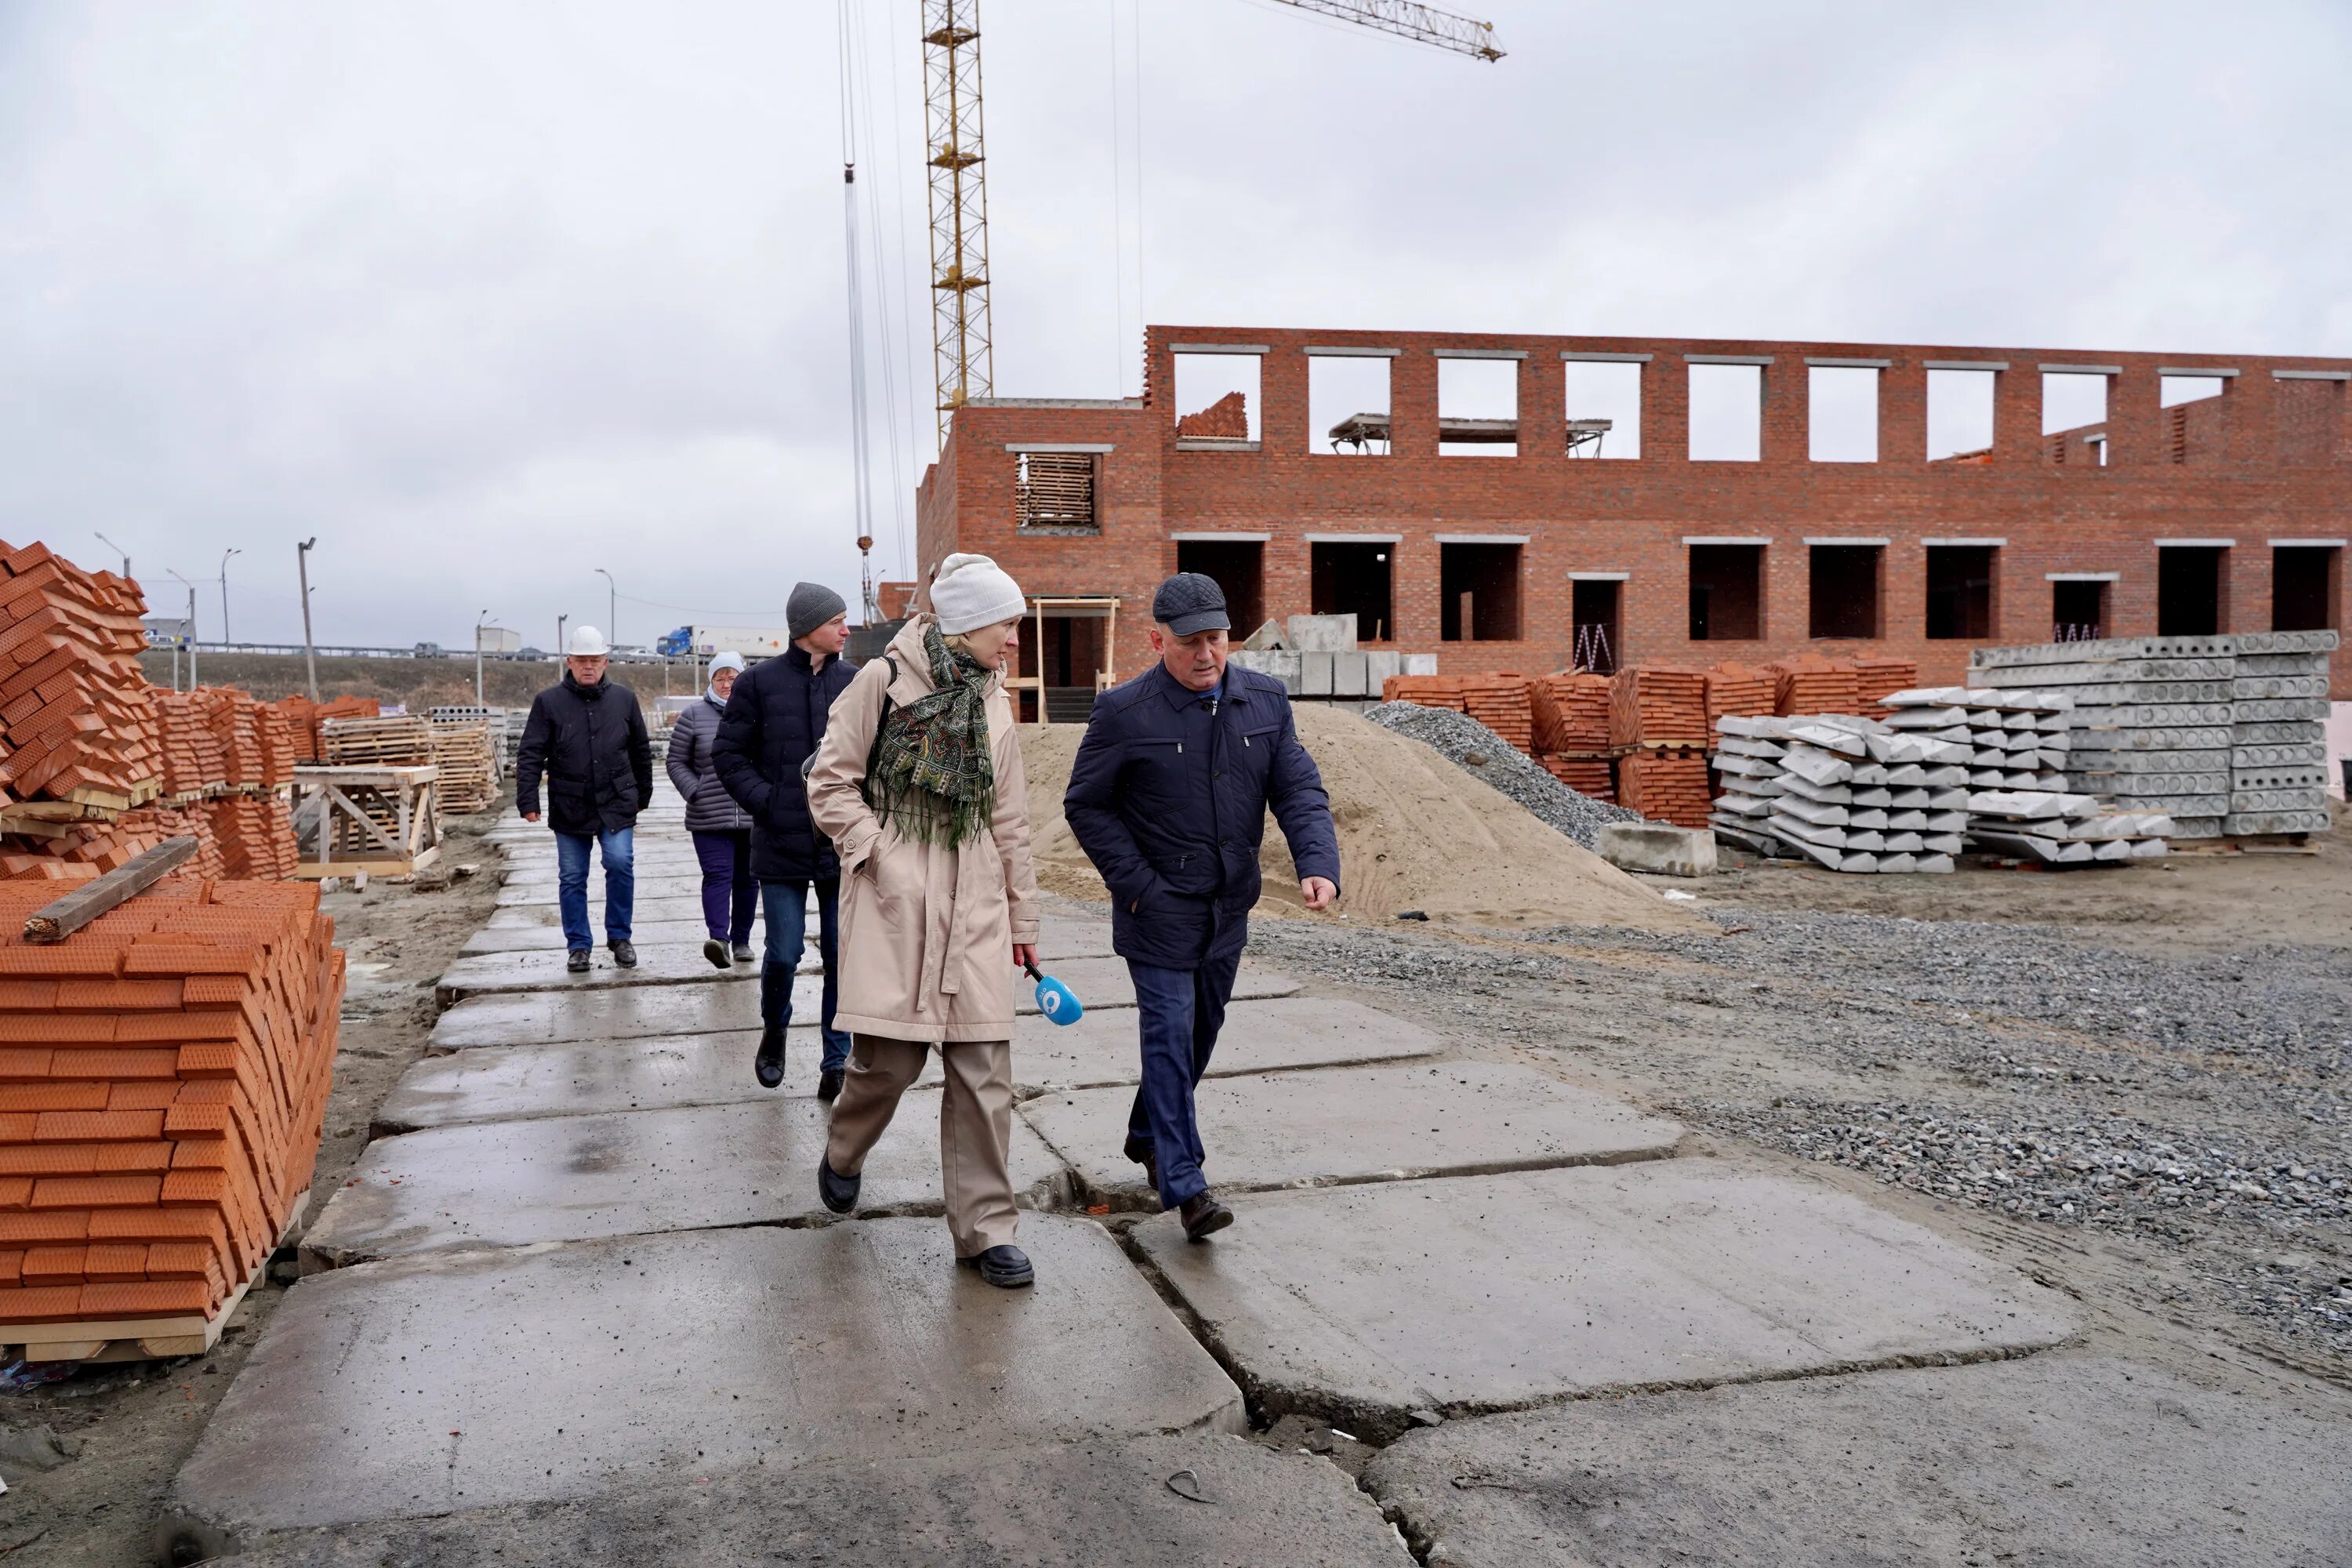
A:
<point x="721" y="829"/>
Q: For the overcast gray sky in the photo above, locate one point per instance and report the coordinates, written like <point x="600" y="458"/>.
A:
<point x="488" y="296"/>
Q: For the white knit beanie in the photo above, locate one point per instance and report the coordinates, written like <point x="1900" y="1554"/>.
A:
<point x="972" y="592"/>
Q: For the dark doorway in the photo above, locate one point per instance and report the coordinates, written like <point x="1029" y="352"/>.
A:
<point x="2303" y="587"/>
<point x="1845" y="598"/>
<point x="1239" y="567"/>
<point x="1726" y="593"/>
<point x="2078" y="611"/>
<point x="1478" y="592"/>
<point x="1592" y="609"/>
<point x="1353" y="579"/>
<point x="1070" y="653"/>
<point x="1959" y="591"/>
<point x="2189" y="598"/>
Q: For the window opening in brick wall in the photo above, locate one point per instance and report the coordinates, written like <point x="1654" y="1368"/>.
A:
<point x="1353" y="580"/>
<point x="1726" y="593"/>
<point x="2078" y="611"/>
<point x="1960" y="415"/>
<point x="2174" y="390"/>
<point x="1347" y="404"/>
<point x="1959" y="591"/>
<point x="1477" y="408"/>
<point x="2190" y="429"/>
<point x="1843" y="602"/>
<point x="2075" y="417"/>
<point x="1727" y="413"/>
<point x="2305" y="587"/>
<point x="2309" y="419"/>
<point x="1842" y="414"/>
<point x="1239" y="567"/>
<point x="1592" y="615"/>
<point x="1054" y="490"/>
<point x="1216" y="398"/>
<point x="1603" y="390"/>
<point x="2191" y="597"/>
<point x="1478" y="592"/>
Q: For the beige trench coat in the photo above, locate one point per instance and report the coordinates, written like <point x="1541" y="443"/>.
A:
<point x="927" y="932"/>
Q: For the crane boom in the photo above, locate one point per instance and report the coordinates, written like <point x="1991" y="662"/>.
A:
<point x="959" y="322"/>
<point x="1422" y="24"/>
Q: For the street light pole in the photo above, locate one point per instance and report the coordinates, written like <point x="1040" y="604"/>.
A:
<point x="191" y="629"/>
<point x="559" y="649"/>
<point x="223" y="581"/>
<point x="309" y="656"/>
<point x="612" y="609"/>
<point x="117" y="549"/>
<point x="478" y="657"/>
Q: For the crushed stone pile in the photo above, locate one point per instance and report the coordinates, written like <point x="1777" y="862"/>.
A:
<point x="1459" y="738"/>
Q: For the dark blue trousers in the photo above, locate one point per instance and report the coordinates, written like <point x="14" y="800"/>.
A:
<point x="1180" y="1011"/>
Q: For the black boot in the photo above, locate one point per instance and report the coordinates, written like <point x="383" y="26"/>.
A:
<point x="775" y="995"/>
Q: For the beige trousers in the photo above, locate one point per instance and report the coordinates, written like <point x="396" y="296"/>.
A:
<point x="975" y="1127"/>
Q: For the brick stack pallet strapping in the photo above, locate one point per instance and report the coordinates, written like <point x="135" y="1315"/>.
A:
<point x="1848" y="792"/>
<point x="163" y="1072"/>
<point x="1501" y="703"/>
<point x="79" y="722"/>
<point x="1571" y="710"/>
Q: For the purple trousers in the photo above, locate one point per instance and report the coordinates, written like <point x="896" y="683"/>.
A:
<point x="730" y="894"/>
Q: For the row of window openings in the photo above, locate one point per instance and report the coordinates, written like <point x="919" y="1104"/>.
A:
<point x="1479" y="597"/>
<point x="1477" y="409"/>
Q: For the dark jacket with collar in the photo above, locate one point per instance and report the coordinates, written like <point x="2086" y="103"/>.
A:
<point x="774" y="719"/>
<point x="1167" y="796"/>
<point x="590" y="744"/>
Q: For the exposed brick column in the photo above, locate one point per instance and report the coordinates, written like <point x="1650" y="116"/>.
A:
<point x="2249" y="403"/>
<point x="1413" y="406"/>
<point x="1786" y="393"/>
<point x="1282" y="402"/>
<point x="1902" y="413"/>
<point x="2017" y="413"/>
<point x="1665" y="410"/>
<point x="2135" y="422"/>
<point x="1543" y="413"/>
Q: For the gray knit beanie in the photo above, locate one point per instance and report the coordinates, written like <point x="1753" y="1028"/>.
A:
<point x="811" y="606"/>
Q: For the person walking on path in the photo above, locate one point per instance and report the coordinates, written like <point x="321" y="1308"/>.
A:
<point x="721" y="829"/>
<point x="587" y="737"/>
<point x="920" y="782"/>
<point x="1167" y="796"/>
<point x="773" y="721"/>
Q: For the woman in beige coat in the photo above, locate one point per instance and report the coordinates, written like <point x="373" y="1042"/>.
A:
<point x="920" y="786"/>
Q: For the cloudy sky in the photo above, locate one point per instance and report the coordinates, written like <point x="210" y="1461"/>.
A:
<point x="486" y="296"/>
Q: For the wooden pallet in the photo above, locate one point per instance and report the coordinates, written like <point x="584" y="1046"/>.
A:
<point x="2254" y="844"/>
<point x="400" y="739"/>
<point x="384" y="821"/>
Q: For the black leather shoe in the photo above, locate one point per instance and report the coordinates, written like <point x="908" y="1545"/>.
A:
<point x="840" y="1192"/>
<point x="576" y="960"/>
<point x="1144" y="1155"/>
<point x="624" y="955"/>
<point x="1203" y="1215"/>
<point x="828" y="1084"/>
<point x="1006" y="1267"/>
<point x="716" y="952"/>
<point x="770" y="1063"/>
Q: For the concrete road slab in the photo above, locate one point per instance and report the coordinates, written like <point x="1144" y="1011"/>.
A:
<point x="535" y="929"/>
<point x="670" y="888"/>
<point x="1338" y="1125"/>
<point x="541" y="912"/>
<point x="1077" y="1505"/>
<point x="2057" y="1459"/>
<point x="1261" y="1036"/>
<point x="474" y="1380"/>
<point x="540" y="1017"/>
<point x="632" y="1172"/>
<point x="658" y="964"/>
<point x="1472" y="1294"/>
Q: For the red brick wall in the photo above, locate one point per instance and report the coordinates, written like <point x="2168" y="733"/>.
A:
<point x="2267" y="458"/>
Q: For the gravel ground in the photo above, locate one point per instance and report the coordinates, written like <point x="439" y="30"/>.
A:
<point x="1482" y="752"/>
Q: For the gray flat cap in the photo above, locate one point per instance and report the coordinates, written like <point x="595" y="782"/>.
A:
<point x="1189" y="603"/>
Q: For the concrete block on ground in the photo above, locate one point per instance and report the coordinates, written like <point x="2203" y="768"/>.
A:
<point x="1323" y="634"/>
<point x="410" y="1389"/>
<point x="1657" y="848"/>
<point x="1357" y="1303"/>
<point x="1420" y="664"/>
<point x="1350" y="675"/>
<point x="2060" y="1458"/>
<point x="1316" y="676"/>
<point x="1378" y="665"/>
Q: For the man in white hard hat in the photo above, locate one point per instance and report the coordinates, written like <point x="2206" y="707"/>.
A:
<point x="587" y="735"/>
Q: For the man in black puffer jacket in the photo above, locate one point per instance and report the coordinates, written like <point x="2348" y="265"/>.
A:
<point x="774" y="719"/>
<point x="588" y="737"/>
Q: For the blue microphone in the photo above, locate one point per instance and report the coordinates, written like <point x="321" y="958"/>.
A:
<point x="1057" y="1002"/>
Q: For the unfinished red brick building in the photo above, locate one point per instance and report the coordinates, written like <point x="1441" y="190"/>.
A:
<point x="1447" y="532"/>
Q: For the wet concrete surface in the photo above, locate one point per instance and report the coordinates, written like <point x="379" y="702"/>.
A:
<point x="658" y="964"/>
<point x="2055" y="1460"/>
<point x="1335" y="1125"/>
<point x="536" y="936"/>
<point x="537" y="911"/>
<point x="635" y="1173"/>
<point x="415" y="1388"/>
<point x="1472" y="1294"/>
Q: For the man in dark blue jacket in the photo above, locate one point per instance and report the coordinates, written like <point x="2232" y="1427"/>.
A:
<point x="774" y="719"/>
<point x="1167" y="798"/>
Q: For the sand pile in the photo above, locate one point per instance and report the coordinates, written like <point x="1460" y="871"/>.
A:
<point x="1415" y="833"/>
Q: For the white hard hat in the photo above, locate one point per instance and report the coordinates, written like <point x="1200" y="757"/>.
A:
<point x="587" y="642"/>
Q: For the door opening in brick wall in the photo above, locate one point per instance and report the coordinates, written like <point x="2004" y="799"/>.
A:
<point x="1239" y="567"/>
<point x="1842" y="414"/>
<point x="2305" y="587"/>
<point x="1070" y="653"/>
<point x="1960" y="415"/>
<point x="1477" y="408"/>
<point x="1960" y="591"/>
<point x="1592" y="612"/>
<point x="1727" y="413"/>
<point x="2078" y="611"/>
<point x="1478" y="592"/>
<point x="1216" y="398"/>
<point x="1054" y="490"/>
<point x="2191" y="590"/>
<point x="1844" y="601"/>
<point x="1599" y="390"/>
<point x="1348" y="406"/>
<point x="1726" y="593"/>
<point x="1353" y="580"/>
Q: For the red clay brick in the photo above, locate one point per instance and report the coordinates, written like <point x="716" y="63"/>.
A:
<point x="15" y="1192"/>
<point x="123" y="1158"/>
<point x="115" y="1262"/>
<point x="53" y="1159"/>
<point x="115" y="1191"/>
<point x="41" y="1304"/>
<point x="59" y="1094"/>
<point x="54" y="1225"/>
<point x="52" y="1265"/>
<point x="96" y="1126"/>
<point x="153" y="1095"/>
<point x="179" y="1260"/>
<point x="12" y="1267"/>
<point x="19" y="1064"/>
<point x="149" y="1298"/>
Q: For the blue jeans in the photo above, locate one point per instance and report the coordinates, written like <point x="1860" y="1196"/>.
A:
<point x="572" y="850"/>
<point x="785" y="905"/>
<point x="1180" y="1011"/>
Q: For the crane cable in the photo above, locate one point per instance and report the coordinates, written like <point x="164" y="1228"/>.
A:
<point x="859" y="444"/>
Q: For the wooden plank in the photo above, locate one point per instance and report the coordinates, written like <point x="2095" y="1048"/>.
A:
<point x="55" y="921"/>
<point x="311" y="870"/>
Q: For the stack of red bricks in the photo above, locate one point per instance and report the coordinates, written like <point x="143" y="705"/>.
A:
<point x="1423" y="691"/>
<point x="303" y="718"/>
<point x="256" y="835"/>
<point x="194" y="759"/>
<point x="75" y="714"/>
<point x="163" y="1072"/>
<point x="1812" y="684"/>
<point x="1658" y="705"/>
<point x="1745" y="690"/>
<point x="1500" y="702"/>
<point x="1571" y="715"/>
<point x="1877" y="678"/>
<point x="1666" y="786"/>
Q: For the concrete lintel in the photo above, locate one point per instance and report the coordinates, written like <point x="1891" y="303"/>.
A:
<point x="1727" y="359"/>
<point x="2212" y="370"/>
<point x="1841" y="539"/>
<point x="2081" y="369"/>
<point x="2311" y="375"/>
<point x="1220" y="347"/>
<point x="2081" y="576"/>
<point x="1599" y="576"/>
<point x="1849" y="363"/>
<point x="1597" y="356"/>
<point x="1726" y="539"/>
<point x="2196" y="544"/>
<point x="1059" y="446"/>
<point x="1478" y="354"/>
<point x="1344" y="351"/>
<point x="1205" y="536"/>
<point x="1964" y="365"/>
<point x="2306" y="544"/>
<point x="1970" y="543"/>
<point x="1354" y="538"/>
<point x="1482" y="539"/>
<point x="1196" y="445"/>
<point x="1054" y="403"/>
